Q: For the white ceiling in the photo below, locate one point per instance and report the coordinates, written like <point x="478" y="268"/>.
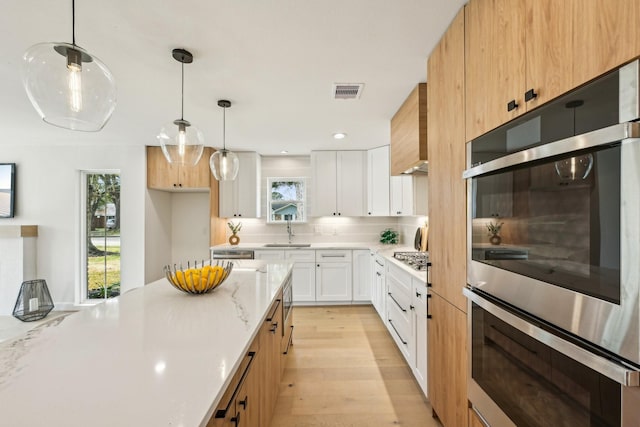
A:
<point x="275" y="60"/>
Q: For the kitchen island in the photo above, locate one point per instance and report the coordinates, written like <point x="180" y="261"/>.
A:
<point x="151" y="357"/>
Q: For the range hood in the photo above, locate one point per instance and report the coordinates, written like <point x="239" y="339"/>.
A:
<point x="421" y="168"/>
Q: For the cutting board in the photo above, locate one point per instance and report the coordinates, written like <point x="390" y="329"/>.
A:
<point x="425" y="234"/>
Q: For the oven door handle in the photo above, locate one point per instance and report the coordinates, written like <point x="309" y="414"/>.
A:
<point x="587" y="140"/>
<point x="616" y="371"/>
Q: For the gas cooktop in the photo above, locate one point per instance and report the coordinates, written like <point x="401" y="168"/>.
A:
<point x="416" y="260"/>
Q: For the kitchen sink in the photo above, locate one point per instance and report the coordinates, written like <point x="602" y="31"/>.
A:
<point x="287" y="245"/>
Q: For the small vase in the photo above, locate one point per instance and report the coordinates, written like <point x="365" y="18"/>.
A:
<point x="234" y="239"/>
<point x="495" y="239"/>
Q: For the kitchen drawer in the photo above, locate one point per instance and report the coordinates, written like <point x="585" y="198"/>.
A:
<point x="419" y="296"/>
<point x="399" y="329"/>
<point x="328" y="255"/>
<point x="397" y="296"/>
<point x="299" y="255"/>
<point x="403" y="278"/>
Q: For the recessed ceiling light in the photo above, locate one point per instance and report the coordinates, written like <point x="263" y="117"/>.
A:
<point x="284" y="152"/>
<point x="339" y="135"/>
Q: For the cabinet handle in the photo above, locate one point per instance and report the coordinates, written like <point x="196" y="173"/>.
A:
<point x="529" y="95"/>
<point x="399" y="212"/>
<point x="339" y="213"/>
<point x="412" y="307"/>
<point x="379" y="263"/>
<point x="511" y="105"/>
<point x="244" y="402"/>
<point x="378" y="273"/>
<point x="274" y="327"/>
<point x="318" y="265"/>
<point x="418" y="294"/>
<point x="222" y="413"/>
<point x="175" y="185"/>
<point x="239" y="214"/>
<point x="369" y="213"/>
<point x="397" y="333"/>
<point x="404" y="310"/>
<point x="428" y="311"/>
<point x="179" y="185"/>
<point x="236" y="420"/>
<point x="334" y="214"/>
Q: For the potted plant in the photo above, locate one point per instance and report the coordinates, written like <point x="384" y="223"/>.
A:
<point x="494" y="232"/>
<point x="234" y="239"/>
<point x="389" y="237"/>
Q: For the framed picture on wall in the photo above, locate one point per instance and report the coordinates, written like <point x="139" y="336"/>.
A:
<point x="7" y="189"/>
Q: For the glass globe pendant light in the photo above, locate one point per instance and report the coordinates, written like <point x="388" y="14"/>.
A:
<point x="69" y="87"/>
<point x="224" y="164"/>
<point x="182" y="143"/>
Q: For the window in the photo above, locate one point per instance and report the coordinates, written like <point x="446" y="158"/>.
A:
<point x="100" y="235"/>
<point x="286" y="199"/>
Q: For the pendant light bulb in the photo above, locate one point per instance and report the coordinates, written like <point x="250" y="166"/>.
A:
<point x="224" y="164"/>
<point x="182" y="143"/>
<point x="69" y="87"/>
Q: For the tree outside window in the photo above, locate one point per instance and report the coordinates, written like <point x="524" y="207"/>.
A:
<point x="102" y="235"/>
<point x="287" y="198"/>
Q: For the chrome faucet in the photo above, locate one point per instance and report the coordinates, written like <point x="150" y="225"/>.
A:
<point x="289" y="229"/>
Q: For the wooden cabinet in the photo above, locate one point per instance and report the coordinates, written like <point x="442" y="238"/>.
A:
<point x="270" y="340"/>
<point x="361" y="276"/>
<point x="446" y="342"/>
<point x="409" y="132"/>
<point x="447" y="362"/>
<point x="241" y="197"/>
<point x="606" y="34"/>
<point x="447" y="189"/>
<point x="474" y="419"/>
<point x="521" y="53"/>
<point x="378" y="181"/>
<point x="161" y="175"/>
<point x="251" y="396"/>
<point x="339" y="183"/>
<point x="333" y="275"/>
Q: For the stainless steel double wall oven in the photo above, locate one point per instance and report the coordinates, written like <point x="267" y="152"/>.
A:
<point x="554" y="305"/>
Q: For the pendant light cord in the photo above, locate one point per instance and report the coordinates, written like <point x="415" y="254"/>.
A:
<point x="73" y="21"/>
<point x="224" y="128"/>
<point x="182" y="99"/>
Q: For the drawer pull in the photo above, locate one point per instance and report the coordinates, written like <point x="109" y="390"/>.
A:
<point x="512" y="105"/>
<point x="222" y="413"/>
<point x="379" y="263"/>
<point x="404" y="310"/>
<point x="428" y="312"/>
<point x="244" y="402"/>
<point x="397" y="333"/>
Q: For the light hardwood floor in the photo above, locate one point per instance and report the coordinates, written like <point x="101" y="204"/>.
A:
<point x="344" y="370"/>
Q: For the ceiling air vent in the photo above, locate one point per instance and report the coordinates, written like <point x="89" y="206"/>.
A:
<point x="347" y="90"/>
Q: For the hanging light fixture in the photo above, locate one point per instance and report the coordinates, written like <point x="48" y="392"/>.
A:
<point x="182" y="144"/>
<point x="224" y="164"/>
<point x="69" y="87"/>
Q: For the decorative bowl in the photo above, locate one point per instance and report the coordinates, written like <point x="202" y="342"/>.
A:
<point x="199" y="280"/>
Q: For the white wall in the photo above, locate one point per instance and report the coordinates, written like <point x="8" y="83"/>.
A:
<point x="47" y="185"/>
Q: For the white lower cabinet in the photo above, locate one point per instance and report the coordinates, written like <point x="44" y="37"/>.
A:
<point x="304" y="274"/>
<point x="379" y="286"/>
<point x="333" y="275"/>
<point x="406" y="318"/>
<point x="361" y="276"/>
<point x="269" y="255"/>
<point x="419" y="351"/>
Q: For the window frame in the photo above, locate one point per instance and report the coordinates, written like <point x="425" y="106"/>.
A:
<point x="81" y="278"/>
<point x="303" y="202"/>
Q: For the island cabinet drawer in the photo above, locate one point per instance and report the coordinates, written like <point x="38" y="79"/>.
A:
<point x="240" y="403"/>
<point x="300" y="255"/>
<point x="329" y="255"/>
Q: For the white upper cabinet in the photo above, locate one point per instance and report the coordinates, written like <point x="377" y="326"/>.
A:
<point x="339" y="183"/>
<point x="378" y="181"/>
<point x="409" y="195"/>
<point x="241" y="197"/>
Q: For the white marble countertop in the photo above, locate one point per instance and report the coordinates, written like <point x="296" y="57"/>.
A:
<point x="152" y="357"/>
